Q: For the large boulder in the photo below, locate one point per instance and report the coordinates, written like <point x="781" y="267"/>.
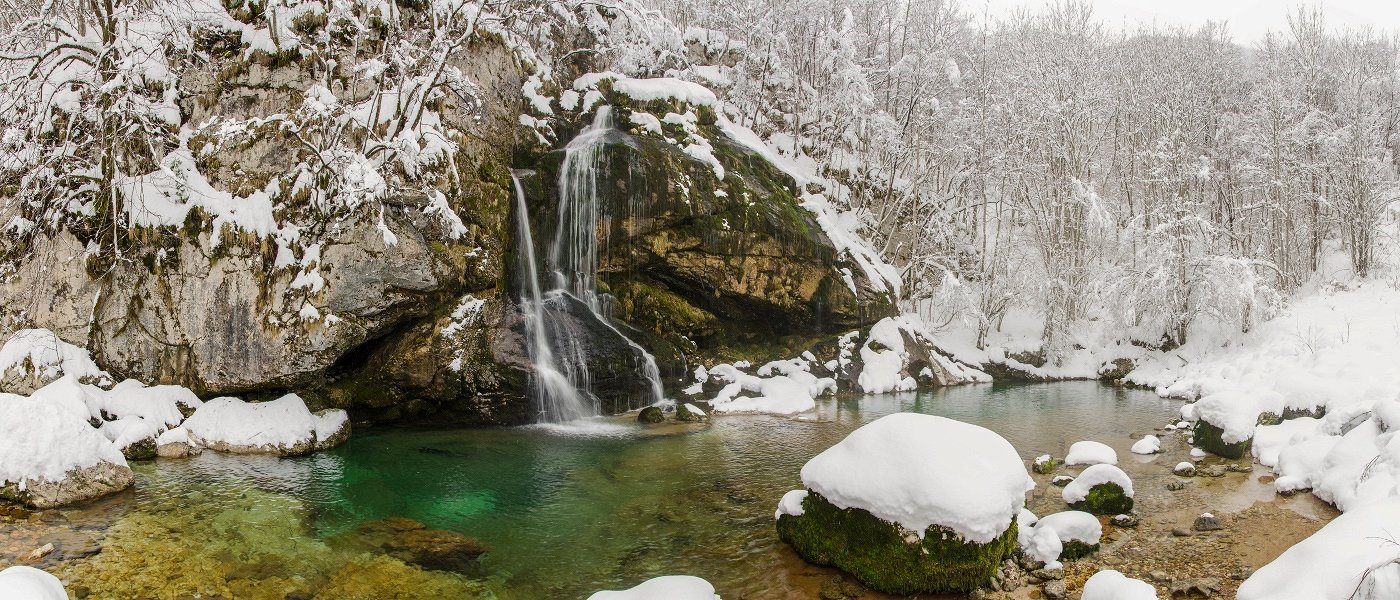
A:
<point x="50" y="456"/>
<point x="909" y="503"/>
<point x="283" y="427"/>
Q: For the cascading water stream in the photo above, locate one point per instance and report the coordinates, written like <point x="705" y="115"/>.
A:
<point x="561" y="381"/>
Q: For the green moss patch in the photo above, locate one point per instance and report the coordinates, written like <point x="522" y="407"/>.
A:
<point x="885" y="557"/>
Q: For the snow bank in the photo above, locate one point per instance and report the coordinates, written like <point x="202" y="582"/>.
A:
<point x="921" y="470"/>
<point x="159" y="404"/>
<point x="792" y="391"/>
<point x="1112" y="585"/>
<point x="1356" y="552"/>
<point x="1091" y="453"/>
<point x="670" y="587"/>
<point x="1270" y="440"/>
<point x="1078" y="489"/>
<point x="281" y="426"/>
<point x="28" y="583"/>
<point x="1149" y="444"/>
<point x="42" y="440"/>
<point x="664" y="88"/>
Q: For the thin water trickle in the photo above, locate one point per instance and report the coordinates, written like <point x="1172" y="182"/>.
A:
<point x="561" y="383"/>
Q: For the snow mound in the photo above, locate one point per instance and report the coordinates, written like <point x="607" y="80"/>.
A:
<point x="28" y="583"/>
<point x="1237" y="412"/>
<point x="884" y="356"/>
<point x="1043" y="544"/>
<point x="159" y="404"/>
<point x="920" y="470"/>
<point x="1078" y="489"/>
<point x="1270" y="440"/>
<point x="1091" y="453"/>
<point x="1150" y="444"/>
<point x="1073" y="526"/>
<point x="665" y="88"/>
<point x="281" y="426"/>
<point x="1356" y="552"/>
<point x="42" y="354"/>
<point x="126" y="431"/>
<point x="1112" y="585"/>
<point x="669" y="587"/>
<point x="42" y="440"/>
<point x="794" y="390"/>
<point x="791" y="504"/>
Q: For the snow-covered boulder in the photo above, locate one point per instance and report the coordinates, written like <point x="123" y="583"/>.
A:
<point x="1042" y="544"/>
<point x="164" y="405"/>
<point x="1101" y="490"/>
<point x="1091" y="453"/>
<point x="135" y="437"/>
<point x="781" y="387"/>
<point x="51" y="456"/>
<point x="898" y="354"/>
<point x="1079" y="532"/>
<point x="1354" y="556"/>
<point x="175" y="443"/>
<point x="33" y="358"/>
<point x="1149" y="444"/>
<point x="910" y="503"/>
<point x="669" y="587"/>
<point x="284" y="426"/>
<point x="1044" y="464"/>
<point x="28" y="583"/>
<point x="1112" y="585"/>
<point x="1225" y="420"/>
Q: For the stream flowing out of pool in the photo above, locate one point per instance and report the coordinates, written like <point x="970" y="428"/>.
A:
<point x="570" y="509"/>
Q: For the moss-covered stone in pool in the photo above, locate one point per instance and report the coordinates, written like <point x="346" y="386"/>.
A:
<point x="887" y="557"/>
<point x="1208" y="437"/>
<point x="1105" y="499"/>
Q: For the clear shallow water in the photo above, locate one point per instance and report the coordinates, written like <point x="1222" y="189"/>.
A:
<point x="570" y="510"/>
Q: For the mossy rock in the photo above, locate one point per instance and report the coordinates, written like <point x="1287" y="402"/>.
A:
<point x="685" y="415"/>
<point x="142" y="450"/>
<point x="1075" y="549"/>
<point x="1045" y="468"/>
<point x="651" y="415"/>
<point x="1105" y="499"/>
<point x="886" y="557"/>
<point x="1209" y="438"/>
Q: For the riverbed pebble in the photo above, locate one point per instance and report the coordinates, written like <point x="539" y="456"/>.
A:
<point x="1207" y="522"/>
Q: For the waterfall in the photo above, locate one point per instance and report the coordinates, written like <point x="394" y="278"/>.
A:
<point x="560" y="382"/>
<point x="556" y="394"/>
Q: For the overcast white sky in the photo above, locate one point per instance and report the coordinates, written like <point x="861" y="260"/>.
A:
<point x="1248" y="20"/>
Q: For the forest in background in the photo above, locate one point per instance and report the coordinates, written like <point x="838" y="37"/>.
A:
<point x="1145" y="180"/>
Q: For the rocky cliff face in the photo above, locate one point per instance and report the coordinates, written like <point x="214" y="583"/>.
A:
<point x="407" y="307"/>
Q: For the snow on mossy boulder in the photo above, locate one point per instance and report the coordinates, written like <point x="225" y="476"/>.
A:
<point x="133" y="436"/>
<point x="1079" y="532"/>
<point x="1149" y="444"/>
<point x="283" y="426"/>
<point x="910" y="503"/>
<point x="1101" y="490"/>
<point x="33" y="358"/>
<point x="1354" y="556"/>
<point x="670" y="587"/>
<point x="1091" y="453"/>
<point x="28" y="583"/>
<point x="1112" y="585"/>
<point x="51" y="456"/>
<point x="1225" y="420"/>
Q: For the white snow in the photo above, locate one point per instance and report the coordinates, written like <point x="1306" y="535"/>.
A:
<point x="1112" y="585"/>
<point x="1237" y="412"/>
<point x="694" y="409"/>
<point x="1356" y="552"/>
<point x="793" y="391"/>
<point x="791" y="504"/>
<point x="665" y="88"/>
<point x="669" y="587"/>
<point x="126" y="431"/>
<point x="276" y="425"/>
<point x="920" y="470"/>
<point x="1078" y="489"/>
<point x="43" y="440"/>
<point x="42" y="352"/>
<point x="884" y="356"/>
<point x="1073" y="526"/>
<point x="1184" y="467"/>
<point x="1091" y="453"/>
<point x="159" y="404"/>
<point x="1270" y="440"/>
<point x="1149" y="444"/>
<point x="1043" y="544"/>
<point x="177" y="435"/>
<point x="28" y="583"/>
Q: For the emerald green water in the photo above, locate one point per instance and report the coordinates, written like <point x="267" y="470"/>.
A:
<point x="569" y="511"/>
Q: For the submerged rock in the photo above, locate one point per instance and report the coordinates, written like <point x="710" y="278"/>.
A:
<point x="437" y="550"/>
